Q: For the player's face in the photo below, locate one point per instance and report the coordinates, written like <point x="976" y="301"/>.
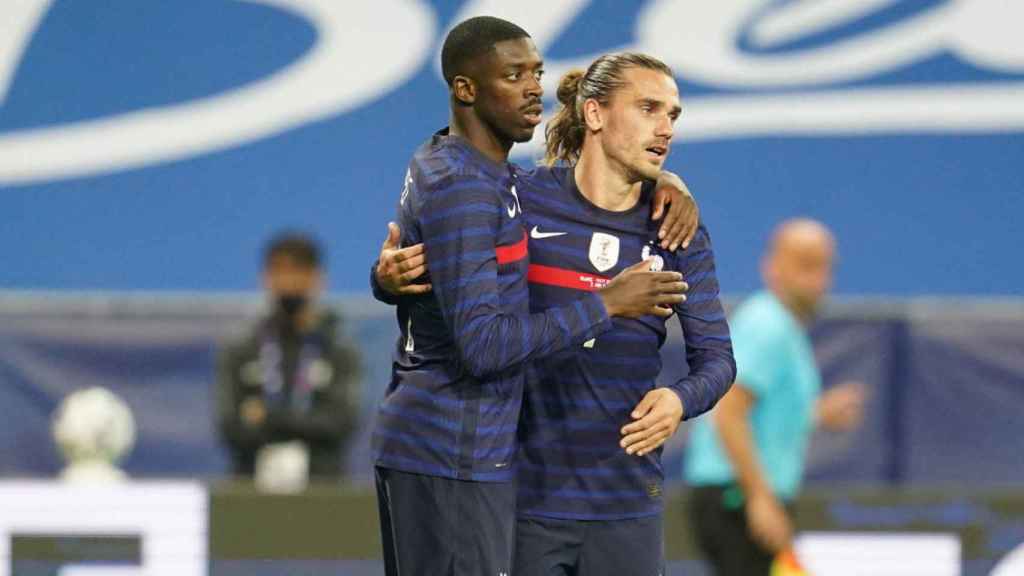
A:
<point x="509" y="92"/>
<point x="640" y="119"/>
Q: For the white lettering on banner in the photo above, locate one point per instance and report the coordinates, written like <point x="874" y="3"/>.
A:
<point x="18" y="23"/>
<point x="169" y="518"/>
<point x="305" y="91"/>
<point x="700" y="44"/>
<point x="699" y="40"/>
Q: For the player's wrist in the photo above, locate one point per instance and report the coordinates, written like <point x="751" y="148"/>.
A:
<point x="679" y="398"/>
<point x="608" y="303"/>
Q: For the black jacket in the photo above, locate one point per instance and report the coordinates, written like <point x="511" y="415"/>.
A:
<point x="307" y="383"/>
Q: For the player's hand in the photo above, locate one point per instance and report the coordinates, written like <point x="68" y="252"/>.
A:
<point x="841" y="407"/>
<point x="656" y="419"/>
<point x="397" y="268"/>
<point x="768" y="523"/>
<point x="683" y="215"/>
<point x="636" y="291"/>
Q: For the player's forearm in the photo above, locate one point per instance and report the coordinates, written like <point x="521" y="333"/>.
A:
<point x="487" y="337"/>
<point x="492" y="341"/>
<point x="709" y="350"/>
<point x="711" y="375"/>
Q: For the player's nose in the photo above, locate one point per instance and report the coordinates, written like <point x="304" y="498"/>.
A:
<point x="534" y="90"/>
<point x="664" y="128"/>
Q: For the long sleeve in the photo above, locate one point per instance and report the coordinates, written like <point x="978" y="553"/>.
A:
<point x="460" y="221"/>
<point x="242" y="438"/>
<point x="379" y="293"/>
<point x="705" y="332"/>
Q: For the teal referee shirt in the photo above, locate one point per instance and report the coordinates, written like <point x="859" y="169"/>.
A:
<point x="774" y="362"/>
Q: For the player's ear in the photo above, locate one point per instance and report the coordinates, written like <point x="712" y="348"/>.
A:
<point x="592" y="115"/>
<point x="464" y="90"/>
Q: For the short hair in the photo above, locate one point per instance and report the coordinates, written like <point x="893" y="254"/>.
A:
<point x="473" y="37"/>
<point x="298" y="247"/>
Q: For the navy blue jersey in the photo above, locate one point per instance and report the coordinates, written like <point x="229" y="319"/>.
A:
<point x="453" y="403"/>
<point x="571" y="465"/>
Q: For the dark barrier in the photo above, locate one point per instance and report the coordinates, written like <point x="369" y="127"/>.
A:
<point x="229" y="528"/>
<point x="328" y="523"/>
<point x="946" y="379"/>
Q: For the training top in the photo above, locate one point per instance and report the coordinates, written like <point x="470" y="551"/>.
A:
<point x="453" y="403"/>
<point x="571" y="465"/>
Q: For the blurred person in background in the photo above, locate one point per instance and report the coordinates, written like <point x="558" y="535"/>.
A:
<point x="286" y="391"/>
<point x="745" y="463"/>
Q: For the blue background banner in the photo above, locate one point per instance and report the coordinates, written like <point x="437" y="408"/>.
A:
<point x="145" y="146"/>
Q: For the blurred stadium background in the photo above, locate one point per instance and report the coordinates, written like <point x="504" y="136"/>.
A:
<point x="148" y="149"/>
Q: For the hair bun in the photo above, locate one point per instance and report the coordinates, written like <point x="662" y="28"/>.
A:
<point x="569" y="87"/>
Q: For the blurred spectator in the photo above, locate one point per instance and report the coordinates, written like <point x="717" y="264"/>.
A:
<point x="94" y="429"/>
<point x="746" y="462"/>
<point x="286" y="391"/>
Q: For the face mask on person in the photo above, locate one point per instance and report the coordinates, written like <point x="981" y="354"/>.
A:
<point x="291" y="304"/>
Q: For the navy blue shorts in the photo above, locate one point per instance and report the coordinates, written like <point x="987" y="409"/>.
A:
<point x="554" y="547"/>
<point x="432" y="526"/>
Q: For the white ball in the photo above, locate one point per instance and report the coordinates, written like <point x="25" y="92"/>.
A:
<point x="94" y="424"/>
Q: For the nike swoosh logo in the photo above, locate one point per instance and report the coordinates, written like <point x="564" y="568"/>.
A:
<point x="512" y="210"/>
<point x="537" y="234"/>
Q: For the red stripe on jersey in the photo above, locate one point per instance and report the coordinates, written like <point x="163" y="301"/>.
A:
<point x="566" y="278"/>
<point x="512" y="252"/>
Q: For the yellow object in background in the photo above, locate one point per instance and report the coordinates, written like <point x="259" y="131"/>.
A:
<point x="786" y="564"/>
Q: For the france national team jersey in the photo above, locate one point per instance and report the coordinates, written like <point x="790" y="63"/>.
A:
<point x="453" y="404"/>
<point x="570" y="464"/>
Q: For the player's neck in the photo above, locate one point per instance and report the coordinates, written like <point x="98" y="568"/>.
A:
<point x="602" y="184"/>
<point x="481" y="137"/>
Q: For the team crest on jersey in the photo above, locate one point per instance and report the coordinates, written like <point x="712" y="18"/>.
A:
<point x="658" y="264"/>
<point x="604" y="251"/>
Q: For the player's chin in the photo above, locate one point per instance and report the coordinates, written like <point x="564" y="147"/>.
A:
<point x="649" y="170"/>
<point x="523" y="134"/>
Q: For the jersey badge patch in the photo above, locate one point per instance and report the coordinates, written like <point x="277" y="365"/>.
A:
<point x="604" y="251"/>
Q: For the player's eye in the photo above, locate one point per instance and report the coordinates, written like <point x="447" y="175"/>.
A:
<point x="539" y="74"/>
<point x="513" y="76"/>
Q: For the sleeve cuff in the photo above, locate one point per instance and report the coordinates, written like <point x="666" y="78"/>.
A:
<point x="689" y="397"/>
<point x="379" y="293"/>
